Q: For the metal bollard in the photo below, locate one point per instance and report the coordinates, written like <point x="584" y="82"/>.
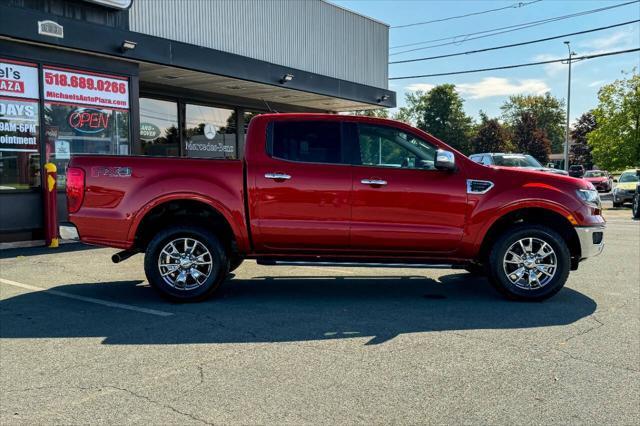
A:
<point x="50" y="205"/>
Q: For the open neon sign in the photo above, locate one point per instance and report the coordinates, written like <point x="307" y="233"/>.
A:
<point x="89" y="120"/>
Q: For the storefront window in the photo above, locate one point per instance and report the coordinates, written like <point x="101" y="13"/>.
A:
<point x="211" y="132"/>
<point x="19" y="157"/>
<point x="78" y="129"/>
<point x="159" y="134"/>
<point x="84" y="113"/>
<point x="19" y="124"/>
<point x="247" y="116"/>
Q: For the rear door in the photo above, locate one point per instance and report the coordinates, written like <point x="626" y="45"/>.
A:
<point x="301" y="197"/>
<point x="401" y="203"/>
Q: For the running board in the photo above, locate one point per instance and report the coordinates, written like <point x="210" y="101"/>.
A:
<point x="271" y="262"/>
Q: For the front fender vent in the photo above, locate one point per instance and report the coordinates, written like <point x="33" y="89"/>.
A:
<point x="478" y="186"/>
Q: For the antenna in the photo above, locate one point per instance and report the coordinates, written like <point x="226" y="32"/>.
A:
<point x="269" y="107"/>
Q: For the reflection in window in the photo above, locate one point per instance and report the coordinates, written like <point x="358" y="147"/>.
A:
<point x="19" y="145"/>
<point x="248" y="116"/>
<point x="211" y="132"/>
<point x="159" y="134"/>
<point x="389" y="147"/>
<point x="76" y="129"/>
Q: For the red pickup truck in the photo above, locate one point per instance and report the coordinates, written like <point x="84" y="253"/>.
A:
<point x="320" y="188"/>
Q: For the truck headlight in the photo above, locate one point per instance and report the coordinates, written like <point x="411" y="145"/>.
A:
<point x="589" y="196"/>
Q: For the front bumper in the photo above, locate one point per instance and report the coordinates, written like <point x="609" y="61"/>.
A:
<point x="68" y="231"/>
<point x="591" y="240"/>
<point x="623" y="196"/>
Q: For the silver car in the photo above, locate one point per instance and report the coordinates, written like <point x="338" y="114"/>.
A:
<point x="524" y="161"/>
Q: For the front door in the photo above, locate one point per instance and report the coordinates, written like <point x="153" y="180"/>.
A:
<point x="401" y="203"/>
<point x="302" y="189"/>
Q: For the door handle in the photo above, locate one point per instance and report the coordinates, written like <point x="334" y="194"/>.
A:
<point x="277" y="176"/>
<point x="374" y="182"/>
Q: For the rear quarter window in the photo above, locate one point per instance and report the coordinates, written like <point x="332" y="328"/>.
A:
<point x="306" y="141"/>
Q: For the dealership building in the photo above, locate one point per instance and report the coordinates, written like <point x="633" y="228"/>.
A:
<point x="165" y="78"/>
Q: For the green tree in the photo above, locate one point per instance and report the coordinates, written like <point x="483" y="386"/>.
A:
<point x="548" y="112"/>
<point x="440" y="113"/>
<point x="490" y="136"/>
<point x="380" y="113"/>
<point x="615" y="143"/>
<point x="580" y="153"/>
<point x="529" y="138"/>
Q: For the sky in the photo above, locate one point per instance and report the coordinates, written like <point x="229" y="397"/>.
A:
<point x="487" y="91"/>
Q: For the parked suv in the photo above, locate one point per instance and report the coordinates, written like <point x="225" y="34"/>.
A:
<point x="524" y="161"/>
<point x="626" y="188"/>
<point x="576" y="171"/>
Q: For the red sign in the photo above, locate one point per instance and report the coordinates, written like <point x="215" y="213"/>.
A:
<point x="89" y="120"/>
<point x="85" y="88"/>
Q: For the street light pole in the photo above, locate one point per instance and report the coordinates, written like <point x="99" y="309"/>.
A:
<point x="566" y="131"/>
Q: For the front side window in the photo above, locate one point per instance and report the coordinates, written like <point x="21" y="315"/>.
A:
<point x="307" y="141"/>
<point x="159" y="131"/>
<point x="388" y="147"/>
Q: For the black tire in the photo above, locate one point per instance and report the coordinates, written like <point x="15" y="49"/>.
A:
<point x="235" y="262"/>
<point x="219" y="264"/>
<point x="615" y="204"/>
<point x="498" y="276"/>
<point x="636" y="206"/>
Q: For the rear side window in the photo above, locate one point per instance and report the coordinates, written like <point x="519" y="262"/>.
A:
<point x="307" y="141"/>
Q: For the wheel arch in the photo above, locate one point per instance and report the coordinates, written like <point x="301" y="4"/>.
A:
<point x="555" y="219"/>
<point x="176" y="209"/>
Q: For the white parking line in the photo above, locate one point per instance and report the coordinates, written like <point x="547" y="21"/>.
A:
<point x="87" y="299"/>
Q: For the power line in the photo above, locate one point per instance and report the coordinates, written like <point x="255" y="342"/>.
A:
<point x="513" y="6"/>
<point x="461" y="38"/>
<point x="504" y="46"/>
<point x="505" y="67"/>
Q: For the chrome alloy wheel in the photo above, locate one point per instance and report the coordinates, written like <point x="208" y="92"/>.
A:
<point x="185" y="263"/>
<point x="530" y="263"/>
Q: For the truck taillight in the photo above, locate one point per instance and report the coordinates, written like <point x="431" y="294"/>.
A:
<point x="75" y="189"/>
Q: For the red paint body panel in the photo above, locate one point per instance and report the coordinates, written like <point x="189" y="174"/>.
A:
<point x="324" y="209"/>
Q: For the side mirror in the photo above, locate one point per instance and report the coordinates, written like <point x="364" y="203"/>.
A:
<point x="445" y="160"/>
<point x="615" y="180"/>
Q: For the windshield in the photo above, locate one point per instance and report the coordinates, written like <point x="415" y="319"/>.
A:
<point x="515" y="160"/>
<point x="594" y="173"/>
<point x="628" y="177"/>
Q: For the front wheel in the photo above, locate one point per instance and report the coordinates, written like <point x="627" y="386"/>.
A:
<point x="636" y="206"/>
<point x="529" y="263"/>
<point x="617" y="204"/>
<point x="185" y="263"/>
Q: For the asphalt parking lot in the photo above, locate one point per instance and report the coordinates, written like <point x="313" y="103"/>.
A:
<point x="87" y="341"/>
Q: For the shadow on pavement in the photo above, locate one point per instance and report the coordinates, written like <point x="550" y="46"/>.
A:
<point x="37" y="251"/>
<point x="285" y="309"/>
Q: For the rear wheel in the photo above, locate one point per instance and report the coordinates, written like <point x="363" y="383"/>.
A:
<point x="529" y="262"/>
<point x="185" y="263"/>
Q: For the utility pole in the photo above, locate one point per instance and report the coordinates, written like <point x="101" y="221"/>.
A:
<point x="566" y="132"/>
